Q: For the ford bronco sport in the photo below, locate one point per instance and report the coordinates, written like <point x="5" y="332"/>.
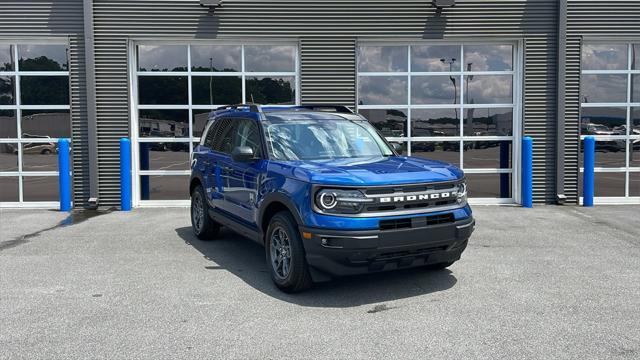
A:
<point x="325" y="194"/>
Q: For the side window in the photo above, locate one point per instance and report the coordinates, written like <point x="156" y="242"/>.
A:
<point x="248" y="134"/>
<point x="209" y="131"/>
<point x="223" y="135"/>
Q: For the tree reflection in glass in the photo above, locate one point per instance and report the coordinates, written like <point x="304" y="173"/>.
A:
<point x="271" y="90"/>
<point x="43" y="58"/>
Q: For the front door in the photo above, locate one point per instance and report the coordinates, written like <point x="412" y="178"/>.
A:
<point x="243" y="178"/>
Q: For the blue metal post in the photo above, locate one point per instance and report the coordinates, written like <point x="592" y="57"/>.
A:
<point x="527" y="172"/>
<point x="125" y="174"/>
<point x="589" y="163"/>
<point x="64" y="176"/>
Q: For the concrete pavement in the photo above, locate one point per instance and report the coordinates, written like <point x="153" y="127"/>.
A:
<point x="548" y="282"/>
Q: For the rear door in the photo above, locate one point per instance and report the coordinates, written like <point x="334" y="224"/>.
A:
<point x="211" y="155"/>
<point x="220" y="158"/>
<point x="203" y="161"/>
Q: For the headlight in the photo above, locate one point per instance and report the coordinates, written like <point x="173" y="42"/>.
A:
<point x="339" y="201"/>
<point x="461" y="193"/>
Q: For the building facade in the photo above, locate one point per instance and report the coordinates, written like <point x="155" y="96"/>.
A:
<point x="461" y="84"/>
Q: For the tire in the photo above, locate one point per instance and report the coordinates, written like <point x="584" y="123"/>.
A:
<point x="45" y="152"/>
<point x="439" y="266"/>
<point x="202" y="224"/>
<point x="290" y="272"/>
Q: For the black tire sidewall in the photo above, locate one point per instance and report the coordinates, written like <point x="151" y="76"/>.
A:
<point x="198" y="191"/>
<point x="209" y="227"/>
<point x="298" y="272"/>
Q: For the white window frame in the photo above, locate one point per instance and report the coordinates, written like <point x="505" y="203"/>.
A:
<point x="18" y="107"/>
<point x="133" y="100"/>
<point x="516" y="105"/>
<point x="628" y="138"/>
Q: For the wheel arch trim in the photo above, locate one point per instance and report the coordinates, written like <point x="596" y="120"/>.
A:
<point x="278" y="198"/>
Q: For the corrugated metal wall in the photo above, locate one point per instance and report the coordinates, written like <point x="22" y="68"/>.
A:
<point x="327" y="31"/>
<point x="614" y="20"/>
<point x="60" y="18"/>
<point x="328" y="71"/>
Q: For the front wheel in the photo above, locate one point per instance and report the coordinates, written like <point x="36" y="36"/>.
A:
<point x="285" y="254"/>
<point x="202" y="224"/>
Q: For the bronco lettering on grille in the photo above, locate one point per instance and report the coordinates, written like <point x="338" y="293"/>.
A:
<point x="444" y="195"/>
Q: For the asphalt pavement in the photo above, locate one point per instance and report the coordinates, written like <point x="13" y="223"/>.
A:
<point x="544" y="283"/>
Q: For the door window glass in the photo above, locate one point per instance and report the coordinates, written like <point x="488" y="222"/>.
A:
<point x="35" y="113"/>
<point x="248" y="134"/>
<point x="448" y="102"/>
<point x="607" y="115"/>
<point x="224" y="136"/>
<point x="178" y="86"/>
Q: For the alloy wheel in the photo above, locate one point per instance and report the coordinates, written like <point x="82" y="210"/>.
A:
<point x="280" y="248"/>
<point x="197" y="211"/>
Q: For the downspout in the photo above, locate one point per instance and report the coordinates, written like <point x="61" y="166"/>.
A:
<point x="561" y="98"/>
<point x="90" y="83"/>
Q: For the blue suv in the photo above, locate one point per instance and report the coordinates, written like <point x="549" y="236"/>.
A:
<point x="325" y="194"/>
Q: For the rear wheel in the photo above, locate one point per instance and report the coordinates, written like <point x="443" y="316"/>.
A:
<point x="203" y="226"/>
<point x="285" y="254"/>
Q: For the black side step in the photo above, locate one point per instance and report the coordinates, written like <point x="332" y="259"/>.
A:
<point x="236" y="226"/>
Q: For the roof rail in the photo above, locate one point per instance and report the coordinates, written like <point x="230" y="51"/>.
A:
<point x="327" y="107"/>
<point x="252" y="107"/>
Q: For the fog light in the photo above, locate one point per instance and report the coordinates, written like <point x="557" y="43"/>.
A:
<point x="332" y="243"/>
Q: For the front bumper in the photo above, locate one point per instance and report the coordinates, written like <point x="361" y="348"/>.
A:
<point x="349" y="252"/>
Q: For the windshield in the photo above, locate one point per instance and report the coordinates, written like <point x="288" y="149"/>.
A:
<point x="323" y="139"/>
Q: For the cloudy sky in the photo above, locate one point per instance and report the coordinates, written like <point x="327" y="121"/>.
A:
<point x="604" y="57"/>
<point x="258" y="58"/>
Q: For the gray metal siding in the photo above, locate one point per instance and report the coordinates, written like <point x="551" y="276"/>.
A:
<point x="41" y="19"/>
<point x="572" y="122"/>
<point x="614" y="20"/>
<point x="540" y="69"/>
<point x="328" y="71"/>
<point x="327" y="30"/>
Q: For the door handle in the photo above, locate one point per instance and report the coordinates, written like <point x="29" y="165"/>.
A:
<point x="227" y="168"/>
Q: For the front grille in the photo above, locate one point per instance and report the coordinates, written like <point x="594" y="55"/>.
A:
<point x="410" y="206"/>
<point x="398" y="200"/>
<point x="416" y="222"/>
<point x="410" y="198"/>
<point x="391" y="190"/>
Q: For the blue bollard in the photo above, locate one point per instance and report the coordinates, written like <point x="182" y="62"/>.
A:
<point x="125" y="174"/>
<point x="527" y="172"/>
<point x="588" y="187"/>
<point x="64" y="176"/>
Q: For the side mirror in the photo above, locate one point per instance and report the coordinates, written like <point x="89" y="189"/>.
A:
<point x="397" y="147"/>
<point x="242" y="154"/>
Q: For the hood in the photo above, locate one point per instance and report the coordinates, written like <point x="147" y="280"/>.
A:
<point x="368" y="171"/>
